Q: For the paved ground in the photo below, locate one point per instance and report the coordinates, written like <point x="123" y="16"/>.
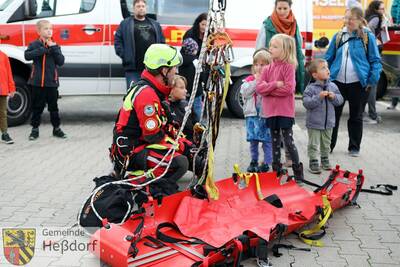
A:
<point x="43" y="183"/>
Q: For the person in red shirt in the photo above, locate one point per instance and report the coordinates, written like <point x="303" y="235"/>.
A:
<point x="143" y="131"/>
<point x="7" y="88"/>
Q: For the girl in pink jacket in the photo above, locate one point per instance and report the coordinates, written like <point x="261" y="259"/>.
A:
<point x="277" y="85"/>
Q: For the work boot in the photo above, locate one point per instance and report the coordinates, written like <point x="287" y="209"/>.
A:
<point x="263" y="167"/>
<point x="253" y="167"/>
<point x="326" y="165"/>
<point x="298" y="172"/>
<point x="314" y="166"/>
<point x="34" y="134"/>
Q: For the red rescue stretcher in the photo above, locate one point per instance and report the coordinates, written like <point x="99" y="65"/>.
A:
<point x="252" y="210"/>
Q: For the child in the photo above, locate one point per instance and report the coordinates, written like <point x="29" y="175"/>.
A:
<point x="189" y="51"/>
<point x="46" y="56"/>
<point x="256" y="125"/>
<point x="277" y="85"/>
<point x="7" y="88"/>
<point x="178" y="105"/>
<point x="320" y="99"/>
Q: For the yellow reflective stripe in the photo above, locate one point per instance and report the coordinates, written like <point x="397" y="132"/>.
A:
<point x="327" y="211"/>
<point x="136" y="173"/>
<point x="157" y="146"/>
<point x="128" y="102"/>
<point x="130" y="98"/>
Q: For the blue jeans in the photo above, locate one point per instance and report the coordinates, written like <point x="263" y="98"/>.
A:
<point x="197" y="106"/>
<point x="131" y="76"/>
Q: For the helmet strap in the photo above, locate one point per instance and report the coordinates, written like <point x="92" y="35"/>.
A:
<point x="165" y="77"/>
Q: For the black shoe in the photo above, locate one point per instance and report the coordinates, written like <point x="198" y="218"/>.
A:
<point x="298" y="172"/>
<point x="34" y="134"/>
<point x="263" y="167"/>
<point x="314" y="166"/>
<point x="6" y="139"/>
<point x="253" y="167"/>
<point x="59" y="133"/>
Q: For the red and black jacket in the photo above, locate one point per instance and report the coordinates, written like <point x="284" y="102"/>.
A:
<point x="142" y="118"/>
<point x="46" y="60"/>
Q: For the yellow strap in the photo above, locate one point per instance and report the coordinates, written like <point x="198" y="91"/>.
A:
<point x="226" y="85"/>
<point x="246" y="177"/>
<point x="327" y="211"/>
<point x="258" y="187"/>
<point x="211" y="188"/>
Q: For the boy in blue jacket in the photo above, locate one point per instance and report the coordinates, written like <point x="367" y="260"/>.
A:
<point x="320" y="99"/>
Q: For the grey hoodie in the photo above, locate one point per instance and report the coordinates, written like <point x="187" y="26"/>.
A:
<point x="249" y="97"/>
<point x="321" y="112"/>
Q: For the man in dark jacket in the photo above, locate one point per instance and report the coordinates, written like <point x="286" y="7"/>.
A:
<point x="134" y="35"/>
<point x="46" y="56"/>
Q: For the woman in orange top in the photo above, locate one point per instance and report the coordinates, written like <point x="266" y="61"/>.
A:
<point x="7" y="88"/>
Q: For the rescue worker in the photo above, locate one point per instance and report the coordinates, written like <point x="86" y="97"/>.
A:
<point x="142" y="133"/>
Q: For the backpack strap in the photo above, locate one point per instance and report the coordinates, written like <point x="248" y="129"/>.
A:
<point x="339" y="42"/>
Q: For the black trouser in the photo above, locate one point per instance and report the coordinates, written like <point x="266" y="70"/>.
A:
<point x="289" y="145"/>
<point x="357" y="96"/>
<point x="41" y="96"/>
<point x="168" y="184"/>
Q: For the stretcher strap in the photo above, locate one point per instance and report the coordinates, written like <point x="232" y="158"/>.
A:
<point x="384" y="189"/>
<point x="312" y="236"/>
<point x="133" y="250"/>
<point x="275" y="249"/>
<point x="169" y="239"/>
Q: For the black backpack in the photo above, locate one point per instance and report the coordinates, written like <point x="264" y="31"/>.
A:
<point x="114" y="202"/>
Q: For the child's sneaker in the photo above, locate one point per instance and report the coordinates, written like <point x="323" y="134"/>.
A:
<point x="263" y="167"/>
<point x="34" y="134"/>
<point x="6" y="139"/>
<point x="314" y="166"/>
<point x="57" y="132"/>
<point x="253" y="167"/>
<point x="326" y="165"/>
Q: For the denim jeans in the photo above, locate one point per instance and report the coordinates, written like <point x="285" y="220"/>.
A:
<point x="197" y="106"/>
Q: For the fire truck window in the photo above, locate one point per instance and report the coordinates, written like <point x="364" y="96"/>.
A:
<point x="68" y="7"/>
<point x="4" y="4"/>
<point x="45" y="8"/>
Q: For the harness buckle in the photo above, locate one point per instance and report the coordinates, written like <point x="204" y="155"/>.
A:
<point x="118" y="141"/>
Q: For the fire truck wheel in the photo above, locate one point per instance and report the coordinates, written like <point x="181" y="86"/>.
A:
<point x="19" y="106"/>
<point x="234" y="99"/>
